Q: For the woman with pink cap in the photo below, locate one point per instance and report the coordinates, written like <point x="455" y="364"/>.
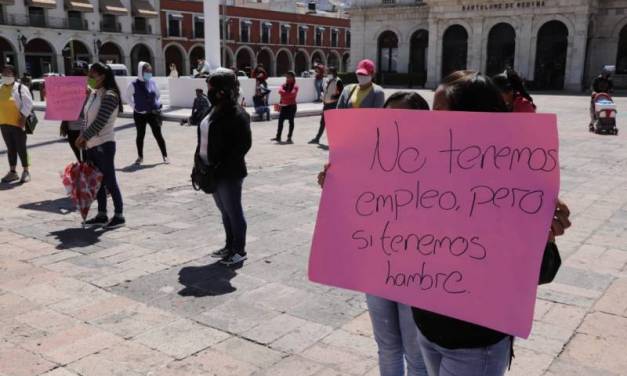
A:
<point x="366" y="94"/>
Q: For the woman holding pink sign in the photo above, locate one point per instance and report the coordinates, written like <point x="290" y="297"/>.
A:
<point x="453" y="347"/>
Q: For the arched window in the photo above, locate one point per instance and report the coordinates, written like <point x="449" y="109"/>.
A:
<point x="454" y="50"/>
<point x="621" y="55"/>
<point x="418" y="55"/>
<point x="388" y="52"/>
<point x="501" y="48"/>
<point x="551" y="56"/>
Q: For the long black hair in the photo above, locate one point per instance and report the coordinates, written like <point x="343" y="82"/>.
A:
<point x="472" y="91"/>
<point x="412" y="100"/>
<point x="109" y="80"/>
<point x="10" y="68"/>
<point x="510" y="80"/>
<point x="225" y="81"/>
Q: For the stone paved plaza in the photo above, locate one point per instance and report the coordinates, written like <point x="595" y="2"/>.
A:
<point x="147" y="299"/>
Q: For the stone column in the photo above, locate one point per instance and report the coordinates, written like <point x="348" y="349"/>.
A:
<point x="212" y="33"/>
<point x="60" y="65"/>
<point x="577" y="54"/>
<point x="433" y="68"/>
<point x="523" y="61"/>
<point x="475" y="47"/>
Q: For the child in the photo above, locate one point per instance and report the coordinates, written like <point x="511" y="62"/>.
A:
<point x="260" y="101"/>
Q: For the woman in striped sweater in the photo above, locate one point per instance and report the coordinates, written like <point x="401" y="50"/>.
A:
<point x="98" y="138"/>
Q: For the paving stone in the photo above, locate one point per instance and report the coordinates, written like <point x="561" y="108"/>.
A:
<point x="133" y="320"/>
<point x="301" y="338"/>
<point x="604" y="325"/>
<point x="294" y="365"/>
<point x="181" y="338"/>
<point x="339" y="359"/>
<point x="236" y="316"/>
<point x="613" y="301"/>
<point x="18" y="362"/>
<point x="593" y="351"/>
<point x="250" y="352"/>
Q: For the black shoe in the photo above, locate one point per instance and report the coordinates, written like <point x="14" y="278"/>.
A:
<point x="234" y="259"/>
<point x="115" y="222"/>
<point x="289" y="141"/>
<point x="99" y="220"/>
<point x="221" y="253"/>
<point x="314" y="141"/>
<point x="276" y="139"/>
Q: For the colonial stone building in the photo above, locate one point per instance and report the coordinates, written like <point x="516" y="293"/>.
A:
<point x="46" y="36"/>
<point x="554" y="44"/>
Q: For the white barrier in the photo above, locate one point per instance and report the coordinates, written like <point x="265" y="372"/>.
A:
<point x="162" y="82"/>
<point x="183" y="90"/>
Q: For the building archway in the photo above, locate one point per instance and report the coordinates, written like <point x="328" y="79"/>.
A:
<point x="196" y="53"/>
<point x="111" y="53"/>
<point x="301" y="62"/>
<point x="621" y="54"/>
<point x="174" y="54"/>
<point x="501" y="48"/>
<point x="418" y="47"/>
<point x="551" y="50"/>
<point x="317" y="57"/>
<point x="265" y="58"/>
<point x="387" y="52"/>
<point x="454" y="49"/>
<point x="346" y="62"/>
<point x="7" y="53"/>
<point x="40" y="58"/>
<point x="227" y="57"/>
<point x="74" y="50"/>
<point x="140" y="53"/>
<point x="283" y="62"/>
<point x="244" y="60"/>
<point x="334" y="60"/>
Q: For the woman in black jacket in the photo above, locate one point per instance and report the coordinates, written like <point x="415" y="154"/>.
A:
<point x="224" y="138"/>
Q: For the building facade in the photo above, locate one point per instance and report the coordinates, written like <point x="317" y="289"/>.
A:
<point x="45" y="36"/>
<point x="554" y="44"/>
<point x="250" y="35"/>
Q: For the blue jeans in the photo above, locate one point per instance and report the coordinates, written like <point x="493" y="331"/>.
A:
<point x="103" y="156"/>
<point x="228" y="198"/>
<point x="397" y="338"/>
<point x="483" y="361"/>
<point x="318" y="83"/>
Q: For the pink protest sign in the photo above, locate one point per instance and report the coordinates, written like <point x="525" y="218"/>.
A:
<point x="65" y="97"/>
<point x="446" y="211"/>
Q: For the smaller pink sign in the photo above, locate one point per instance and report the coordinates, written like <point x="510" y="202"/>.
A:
<point x="65" y="97"/>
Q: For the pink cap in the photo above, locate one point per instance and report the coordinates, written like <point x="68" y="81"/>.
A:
<point x="365" y="67"/>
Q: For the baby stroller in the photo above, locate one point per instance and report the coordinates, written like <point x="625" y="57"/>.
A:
<point x="604" y="115"/>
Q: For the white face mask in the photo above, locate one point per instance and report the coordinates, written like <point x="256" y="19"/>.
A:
<point x="8" y="80"/>
<point x="363" y="80"/>
<point x="330" y="77"/>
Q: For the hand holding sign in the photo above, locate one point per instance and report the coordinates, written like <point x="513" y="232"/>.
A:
<point x="445" y="211"/>
<point x="65" y="97"/>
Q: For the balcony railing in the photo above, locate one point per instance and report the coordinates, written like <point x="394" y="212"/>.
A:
<point x="111" y="27"/>
<point x="42" y="21"/>
<point x="142" y="29"/>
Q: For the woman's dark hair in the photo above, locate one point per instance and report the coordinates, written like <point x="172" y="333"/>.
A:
<point x="510" y="80"/>
<point x="412" y="100"/>
<point x="471" y="91"/>
<point x="80" y="68"/>
<point x="332" y="70"/>
<point x="10" y="68"/>
<point x="109" y="79"/>
<point x="225" y="80"/>
<point x="291" y="74"/>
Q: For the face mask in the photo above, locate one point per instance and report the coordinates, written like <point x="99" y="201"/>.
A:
<point x="147" y="76"/>
<point x="330" y="77"/>
<point x="364" y="80"/>
<point x="8" y="80"/>
<point x="92" y="83"/>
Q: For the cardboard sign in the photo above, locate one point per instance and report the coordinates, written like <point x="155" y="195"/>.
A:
<point x="446" y="211"/>
<point x="65" y="97"/>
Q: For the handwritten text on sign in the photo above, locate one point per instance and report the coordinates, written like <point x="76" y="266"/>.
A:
<point x="65" y="97"/>
<point x="445" y="211"/>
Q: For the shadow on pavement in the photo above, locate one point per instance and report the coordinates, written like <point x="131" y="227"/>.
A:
<point x="61" y="206"/>
<point x="323" y="147"/>
<point x="209" y="280"/>
<point x="135" y="167"/>
<point x="9" y="186"/>
<point x="77" y="237"/>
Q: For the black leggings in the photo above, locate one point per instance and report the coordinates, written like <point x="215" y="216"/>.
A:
<point x="155" y="126"/>
<point x="15" y="139"/>
<point x="71" y="139"/>
<point x="287" y="113"/>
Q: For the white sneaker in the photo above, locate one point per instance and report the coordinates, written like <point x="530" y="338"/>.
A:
<point x="234" y="260"/>
<point x="166" y="160"/>
<point x="25" y="177"/>
<point x="11" y="177"/>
